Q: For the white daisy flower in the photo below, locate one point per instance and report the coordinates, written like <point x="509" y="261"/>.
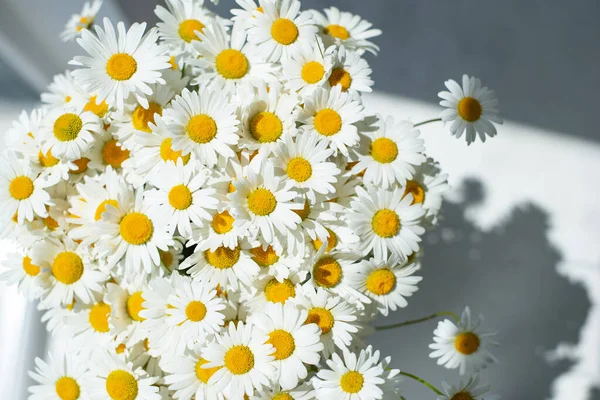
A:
<point x="349" y="70"/>
<point x="279" y="29"/>
<point x="337" y="273"/>
<point x="386" y="222"/>
<point x="471" y="108"/>
<point x="79" y="22"/>
<point x="244" y="358"/>
<point x="228" y="62"/>
<point x="296" y="344"/>
<point x="90" y="204"/>
<point x="339" y="237"/>
<point x="20" y="270"/>
<point x="26" y="131"/>
<point x="182" y="196"/>
<point x="353" y="377"/>
<point x="332" y="114"/>
<point x="224" y="266"/>
<point x="469" y="390"/>
<point x="120" y="67"/>
<point x="307" y="69"/>
<point x="204" y="123"/>
<point x="263" y="202"/>
<point x="154" y="314"/>
<point x="126" y="302"/>
<point x="69" y="133"/>
<point x="153" y="150"/>
<point x="427" y="188"/>
<point x="171" y="258"/>
<point x="242" y="17"/>
<point x="220" y="231"/>
<point x="270" y="290"/>
<point x="63" y="377"/>
<point x="388" y="282"/>
<point x="89" y="327"/>
<point x="51" y="168"/>
<point x="136" y="118"/>
<point x="394" y="151"/>
<point x="462" y="345"/>
<point x="63" y="91"/>
<point x="107" y="151"/>
<point x="343" y="28"/>
<point x="335" y="317"/>
<point x="304" y="164"/>
<point x="115" y="378"/>
<point x="72" y="271"/>
<point x="273" y="261"/>
<point x="267" y="120"/>
<point x="181" y="22"/>
<point x="193" y="312"/>
<point x="187" y="377"/>
<point x="132" y="234"/>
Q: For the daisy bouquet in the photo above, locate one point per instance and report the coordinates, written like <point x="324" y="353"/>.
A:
<point x="206" y="210"/>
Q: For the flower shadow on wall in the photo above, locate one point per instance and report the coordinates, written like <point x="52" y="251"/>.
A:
<point x="509" y="275"/>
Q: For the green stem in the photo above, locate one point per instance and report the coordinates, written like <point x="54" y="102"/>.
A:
<point x="424" y="382"/>
<point x="428" y="121"/>
<point x="416" y="321"/>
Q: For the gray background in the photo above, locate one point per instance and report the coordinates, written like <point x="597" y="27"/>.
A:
<point x="543" y="59"/>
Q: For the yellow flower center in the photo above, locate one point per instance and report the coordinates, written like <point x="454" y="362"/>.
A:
<point x="81" y="164"/>
<point x="384" y="150"/>
<point x="386" y="223"/>
<point x="266" y="127"/>
<point x="121" y="66"/>
<point x="337" y="31"/>
<point x="120" y="349"/>
<point x="416" y="190"/>
<point x="180" y="197"/>
<point x="21" y="188"/>
<point x="232" y="64"/>
<point x="50" y="223"/>
<point x="195" y="311"/>
<point x="381" y="281"/>
<point x="328" y="122"/>
<point x="312" y="72"/>
<point x="283" y="342"/>
<point x="264" y="257"/>
<point x="134" y="306"/>
<point x="352" y="382"/>
<point x="168" y="154"/>
<point x="466" y="343"/>
<point x="67" y="127"/>
<point x="136" y="228"/>
<point x="469" y="109"/>
<point x="47" y="160"/>
<point x="67" y="267"/>
<point x="321" y="317"/>
<point x="204" y="374"/>
<point x="173" y="63"/>
<point x="29" y="268"/>
<point x="99" y="317"/>
<point x="222" y="222"/>
<point x="327" y="272"/>
<point x="332" y="241"/>
<point x="239" y="360"/>
<point x="282" y="396"/>
<point x="279" y="292"/>
<point x="299" y="169"/>
<point x="304" y="213"/>
<point x="339" y="76"/>
<point x="188" y="28"/>
<point x="231" y="187"/>
<point x="121" y="385"/>
<point x="99" y="109"/>
<point x="201" y="128"/>
<point x="102" y="208"/>
<point x="141" y="116"/>
<point x="284" y="31"/>
<point x="462" y="396"/>
<point x="113" y="154"/>
<point x="223" y="257"/>
<point x="262" y="202"/>
<point x="67" y="388"/>
<point x="67" y="99"/>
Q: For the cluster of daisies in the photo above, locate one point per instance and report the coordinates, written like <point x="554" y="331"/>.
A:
<point x="205" y="210"/>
